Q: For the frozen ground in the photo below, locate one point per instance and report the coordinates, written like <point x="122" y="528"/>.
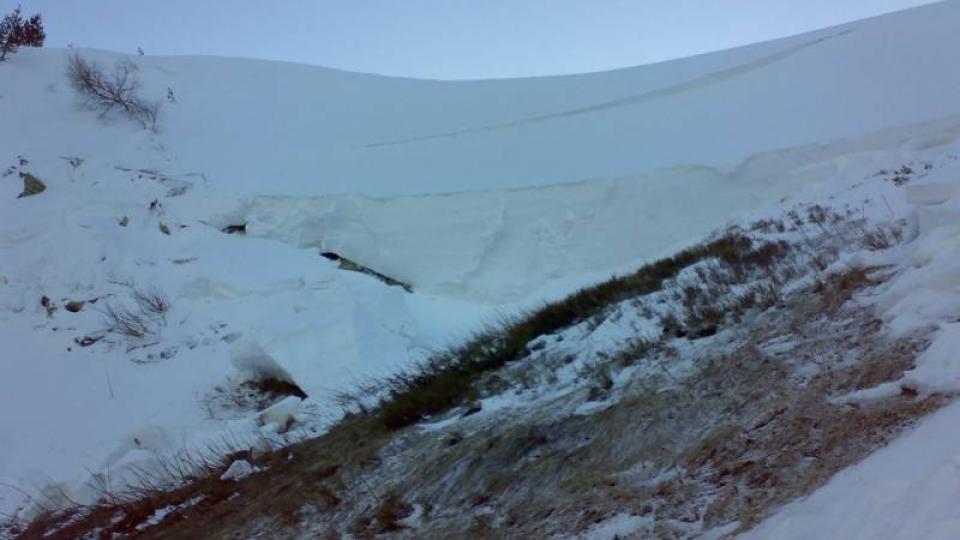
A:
<point x="910" y="488"/>
<point x="486" y="196"/>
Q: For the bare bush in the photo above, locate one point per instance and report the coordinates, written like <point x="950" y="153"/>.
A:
<point x="151" y="302"/>
<point x="138" y="320"/>
<point x="883" y="239"/>
<point x="125" y="321"/>
<point x="117" y="90"/>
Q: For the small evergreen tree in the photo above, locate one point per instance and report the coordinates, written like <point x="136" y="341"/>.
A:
<point x="17" y="32"/>
<point x="32" y="33"/>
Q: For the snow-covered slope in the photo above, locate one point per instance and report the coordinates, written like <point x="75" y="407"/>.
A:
<point x="260" y="128"/>
<point x="485" y="196"/>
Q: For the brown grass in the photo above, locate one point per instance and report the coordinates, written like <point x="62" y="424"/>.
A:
<point x="448" y="378"/>
<point x="747" y="432"/>
<point x="315" y="476"/>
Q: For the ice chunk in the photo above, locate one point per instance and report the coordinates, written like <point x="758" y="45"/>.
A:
<point x="238" y="469"/>
<point x="281" y="413"/>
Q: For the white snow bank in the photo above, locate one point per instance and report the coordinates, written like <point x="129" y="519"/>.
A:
<point x="926" y="291"/>
<point x="499" y="246"/>
<point x="265" y="127"/>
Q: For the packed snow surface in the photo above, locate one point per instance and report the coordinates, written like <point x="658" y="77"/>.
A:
<point x="485" y="196"/>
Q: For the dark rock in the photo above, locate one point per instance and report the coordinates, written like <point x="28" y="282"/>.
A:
<point x="235" y="229"/>
<point x="31" y="185"/>
<point x="48" y="305"/>
<point x="703" y="331"/>
<point x="74" y="306"/>
<point x="455" y="439"/>
<point x="276" y="388"/>
<point x="597" y="394"/>
<point x="675" y="332"/>
<point x="473" y="409"/>
<point x="537" y="346"/>
<point x="86" y="341"/>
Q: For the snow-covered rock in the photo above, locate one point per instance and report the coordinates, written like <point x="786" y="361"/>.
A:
<point x="281" y="414"/>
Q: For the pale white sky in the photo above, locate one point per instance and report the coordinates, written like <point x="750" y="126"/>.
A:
<point x="447" y="39"/>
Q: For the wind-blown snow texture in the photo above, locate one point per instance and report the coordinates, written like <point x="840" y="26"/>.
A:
<point x="485" y="195"/>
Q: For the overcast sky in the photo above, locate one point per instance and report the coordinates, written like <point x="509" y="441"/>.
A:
<point x="446" y="39"/>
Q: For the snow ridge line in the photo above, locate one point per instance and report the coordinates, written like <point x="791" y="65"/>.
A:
<point x="636" y="99"/>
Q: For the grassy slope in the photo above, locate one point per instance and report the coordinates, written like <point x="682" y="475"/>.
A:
<point x="745" y="431"/>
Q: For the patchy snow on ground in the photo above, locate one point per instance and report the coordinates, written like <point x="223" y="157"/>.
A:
<point x="486" y="196"/>
<point x="162" y="513"/>
<point x="909" y="489"/>
<point x="904" y="491"/>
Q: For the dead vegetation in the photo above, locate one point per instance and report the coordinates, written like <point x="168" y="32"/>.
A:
<point x="143" y="312"/>
<point x="232" y="400"/>
<point x="311" y="472"/>
<point x="447" y="379"/>
<point x="728" y="414"/>
<point x="117" y="90"/>
<point x="746" y="434"/>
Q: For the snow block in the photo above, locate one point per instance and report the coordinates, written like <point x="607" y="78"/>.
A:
<point x="281" y="413"/>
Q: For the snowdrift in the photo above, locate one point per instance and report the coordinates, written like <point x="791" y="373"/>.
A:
<point x="486" y="196"/>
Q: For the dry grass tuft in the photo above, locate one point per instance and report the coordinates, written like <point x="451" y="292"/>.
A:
<point x="448" y="378"/>
<point x="751" y="425"/>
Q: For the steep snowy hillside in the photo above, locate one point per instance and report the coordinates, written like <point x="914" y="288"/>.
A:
<point x="256" y="128"/>
<point x="461" y="201"/>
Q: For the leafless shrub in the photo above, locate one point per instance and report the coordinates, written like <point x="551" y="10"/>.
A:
<point x="148" y="310"/>
<point x="817" y="214"/>
<point x="151" y="302"/>
<point x="795" y="218"/>
<point x="882" y="239"/>
<point x="117" y="90"/>
<point x="125" y="321"/>
<point x="767" y="226"/>
<point x="902" y="176"/>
